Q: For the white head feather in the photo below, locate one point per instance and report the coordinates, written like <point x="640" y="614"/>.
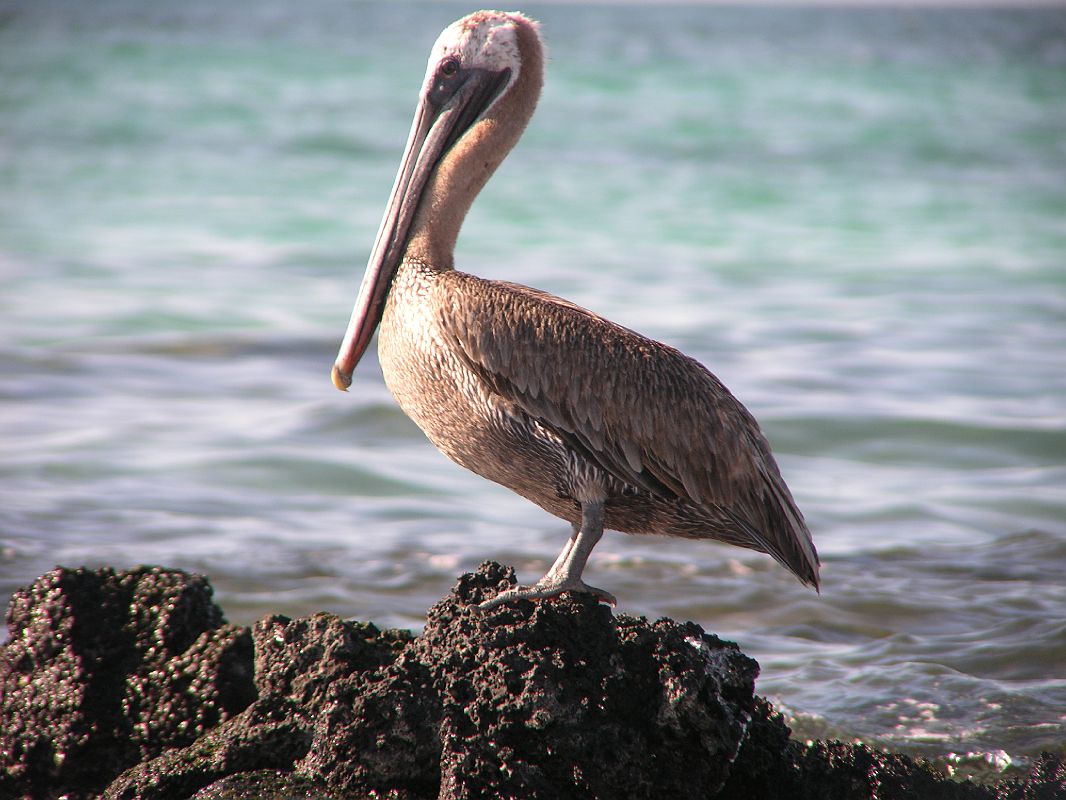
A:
<point x="482" y="40"/>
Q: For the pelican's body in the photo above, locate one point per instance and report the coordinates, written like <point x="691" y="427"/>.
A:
<point x="596" y="424"/>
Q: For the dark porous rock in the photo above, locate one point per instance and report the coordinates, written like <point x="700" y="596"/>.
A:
<point x="129" y="685"/>
<point x="1047" y="781"/>
<point x="772" y="766"/>
<point x="266" y="785"/>
<point x="298" y="666"/>
<point x="553" y="700"/>
<point x="564" y="700"/>
<point x="839" y="769"/>
<point x="766" y="766"/>
<point x="104" y="669"/>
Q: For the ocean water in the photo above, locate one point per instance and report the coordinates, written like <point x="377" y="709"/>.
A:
<point x="855" y="218"/>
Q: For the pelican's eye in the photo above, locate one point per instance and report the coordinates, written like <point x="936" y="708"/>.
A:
<point x="449" y="67"/>
<point x="446" y="80"/>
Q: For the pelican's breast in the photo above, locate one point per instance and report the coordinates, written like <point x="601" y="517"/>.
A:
<point x="413" y="354"/>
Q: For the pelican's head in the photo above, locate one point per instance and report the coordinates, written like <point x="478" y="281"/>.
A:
<point x="482" y="83"/>
<point x="485" y="41"/>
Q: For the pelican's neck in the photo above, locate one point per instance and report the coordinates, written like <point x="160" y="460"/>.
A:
<point x="468" y="165"/>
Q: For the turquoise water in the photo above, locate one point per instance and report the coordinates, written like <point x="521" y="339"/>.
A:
<point x="857" y="219"/>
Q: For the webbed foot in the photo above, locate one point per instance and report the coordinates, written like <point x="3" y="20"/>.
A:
<point x="545" y="590"/>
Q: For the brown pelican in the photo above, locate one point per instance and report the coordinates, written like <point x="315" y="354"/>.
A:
<point x="594" y="423"/>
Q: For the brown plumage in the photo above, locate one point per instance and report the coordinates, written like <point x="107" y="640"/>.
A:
<point x="596" y="424"/>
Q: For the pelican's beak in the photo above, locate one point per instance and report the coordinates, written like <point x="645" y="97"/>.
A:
<point x="445" y="112"/>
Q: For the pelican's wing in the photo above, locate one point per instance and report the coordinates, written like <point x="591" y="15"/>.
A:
<point x="646" y="413"/>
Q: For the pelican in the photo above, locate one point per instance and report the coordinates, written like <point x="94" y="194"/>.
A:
<point x="596" y="424"/>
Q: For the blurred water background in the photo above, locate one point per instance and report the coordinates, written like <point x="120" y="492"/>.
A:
<point x="855" y="218"/>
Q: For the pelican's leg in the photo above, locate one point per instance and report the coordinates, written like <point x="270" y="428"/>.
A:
<point x="565" y="573"/>
<point x="565" y="552"/>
